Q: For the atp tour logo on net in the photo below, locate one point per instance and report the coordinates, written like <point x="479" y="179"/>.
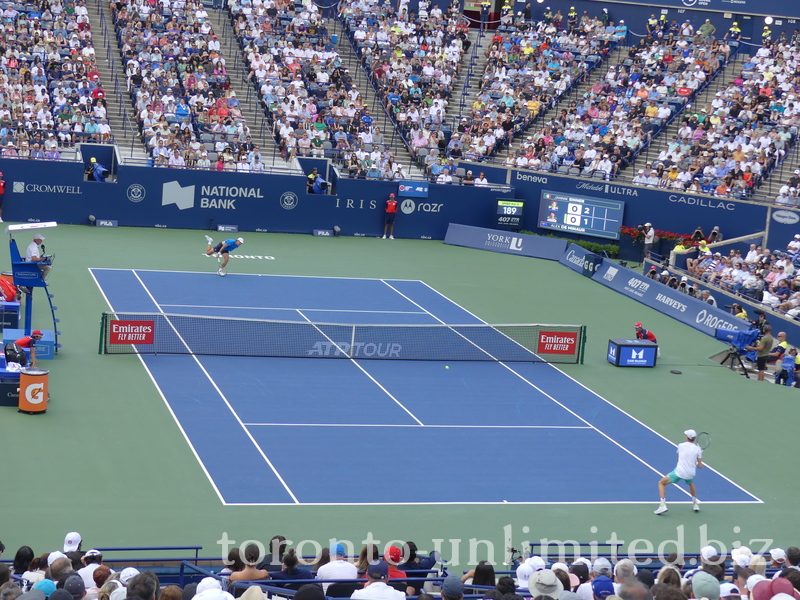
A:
<point x="356" y="349"/>
<point x="211" y="196"/>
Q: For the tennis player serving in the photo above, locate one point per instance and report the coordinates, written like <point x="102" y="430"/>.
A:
<point x="223" y="249"/>
<point x="690" y="458"/>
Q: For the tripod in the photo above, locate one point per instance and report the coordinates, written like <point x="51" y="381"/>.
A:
<point x="734" y="358"/>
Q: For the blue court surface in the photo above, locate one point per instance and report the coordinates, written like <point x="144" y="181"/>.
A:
<point x="348" y="431"/>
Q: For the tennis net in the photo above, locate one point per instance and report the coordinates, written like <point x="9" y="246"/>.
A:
<point x="158" y="333"/>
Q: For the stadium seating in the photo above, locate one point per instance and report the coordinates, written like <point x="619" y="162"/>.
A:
<point x="51" y="88"/>
<point x="177" y="79"/>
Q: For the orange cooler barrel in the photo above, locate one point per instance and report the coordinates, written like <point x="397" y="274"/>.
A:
<point x="33" y="391"/>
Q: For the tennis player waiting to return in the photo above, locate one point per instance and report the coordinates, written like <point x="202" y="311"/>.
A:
<point x="690" y="458"/>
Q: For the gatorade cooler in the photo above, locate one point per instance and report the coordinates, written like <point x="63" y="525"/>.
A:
<point x="33" y="391"/>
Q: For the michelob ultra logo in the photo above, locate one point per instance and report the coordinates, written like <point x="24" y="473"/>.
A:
<point x="132" y="332"/>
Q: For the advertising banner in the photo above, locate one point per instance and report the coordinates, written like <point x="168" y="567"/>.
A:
<point x="679" y="306"/>
<point x="505" y="242"/>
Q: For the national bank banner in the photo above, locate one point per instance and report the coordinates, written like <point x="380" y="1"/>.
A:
<point x="190" y="199"/>
<point x="690" y="311"/>
<point x="495" y="240"/>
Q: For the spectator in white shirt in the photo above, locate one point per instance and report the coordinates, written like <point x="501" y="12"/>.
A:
<point x="338" y="568"/>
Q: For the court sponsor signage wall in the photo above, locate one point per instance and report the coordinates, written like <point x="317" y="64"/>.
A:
<point x="665" y="209"/>
<point x="177" y="198"/>
<point x="581" y="260"/>
<point x="502" y="241"/>
<point x="687" y="310"/>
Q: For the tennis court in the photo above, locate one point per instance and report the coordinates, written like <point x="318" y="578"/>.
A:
<point x="350" y="431"/>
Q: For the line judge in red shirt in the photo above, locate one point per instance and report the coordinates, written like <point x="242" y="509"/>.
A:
<point x="391" y="213"/>
<point x="29" y="341"/>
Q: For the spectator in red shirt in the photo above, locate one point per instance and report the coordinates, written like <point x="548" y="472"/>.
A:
<point x="391" y="213"/>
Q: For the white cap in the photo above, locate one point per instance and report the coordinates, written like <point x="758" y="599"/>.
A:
<point x="778" y="554"/>
<point x="741" y="560"/>
<point x="648" y="224"/>
<point x="73" y="539"/>
<point x="536" y="562"/>
<point x="127" y="574"/>
<point x="707" y="552"/>
<point x="240" y="240"/>
<point x="753" y="580"/>
<point x="600" y="565"/>
<point x="561" y="566"/>
<point x="691" y="433"/>
<point x="39" y="236"/>
<point x="524" y="573"/>
<point x="54" y="556"/>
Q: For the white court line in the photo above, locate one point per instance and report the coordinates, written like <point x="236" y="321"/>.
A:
<point x="219" y="391"/>
<point x="409" y="425"/>
<point x="341" y="310"/>
<point x="541" y="391"/>
<point x="164" y="398"/>
<point x="253" y="274"/>
<point x="487" y="503"/>
<point x="552" y="366"/>
<point x="363" y="370"/>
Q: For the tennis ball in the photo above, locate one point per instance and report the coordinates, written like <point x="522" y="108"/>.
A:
<point x="447" y="366"/>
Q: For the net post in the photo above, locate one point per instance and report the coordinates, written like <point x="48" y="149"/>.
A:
<point x="583" y="344"/>
<point x="352" y="341"/>
<point x="103" y="325"/>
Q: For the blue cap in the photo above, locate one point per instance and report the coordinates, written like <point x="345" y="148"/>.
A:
<point x="337" y="549"/>
<point x="48" y="586"/>
<point x="602" y="587"/>
<point x="378" y="570"/>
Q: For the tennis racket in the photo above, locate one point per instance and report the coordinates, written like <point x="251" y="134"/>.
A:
<point x="703" y="440"/>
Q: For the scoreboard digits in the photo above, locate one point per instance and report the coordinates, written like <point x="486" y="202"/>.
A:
<point x="509" y="214"/>
<point x="597" y="217"/>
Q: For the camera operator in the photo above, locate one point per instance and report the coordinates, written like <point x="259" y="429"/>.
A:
<point x="760" y="321"/>
<point x="673" y="282"/>
<point x="649" y="238"/>
<point x="698" y="235"/>
<point x="763" y="349"/>
<point x="715" y="235"/>
<point x="652" y="273"/>
<point x="737" y="311"/>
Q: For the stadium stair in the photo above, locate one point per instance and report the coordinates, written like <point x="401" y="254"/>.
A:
<point x="351" y="62"/>
<point x="253" y="112"/>
<point x="120" y="111"/>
